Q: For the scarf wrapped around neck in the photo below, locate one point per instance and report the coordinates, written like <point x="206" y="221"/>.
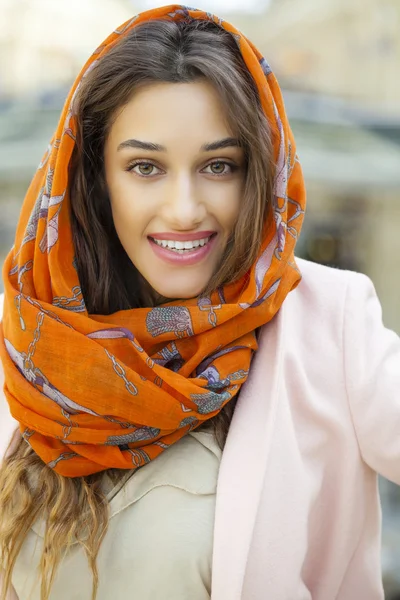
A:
<point x="92" y="392"/>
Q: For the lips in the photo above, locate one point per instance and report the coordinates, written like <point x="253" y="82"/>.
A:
<point x="181" y="256"/>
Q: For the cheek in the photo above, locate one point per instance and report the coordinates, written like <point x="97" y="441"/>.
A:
<point x="229" y="207"/>
<point x="129" y="213"/>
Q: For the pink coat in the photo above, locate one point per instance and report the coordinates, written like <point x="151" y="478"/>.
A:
<point x="298" y="511"/>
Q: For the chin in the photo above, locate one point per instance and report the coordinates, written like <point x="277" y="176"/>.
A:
<point x="179" y="292"/>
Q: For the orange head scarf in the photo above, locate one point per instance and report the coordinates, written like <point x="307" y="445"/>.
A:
<point x="94" y="392"/>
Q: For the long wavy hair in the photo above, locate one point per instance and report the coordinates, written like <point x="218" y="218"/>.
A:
<point x="76" y="509"/>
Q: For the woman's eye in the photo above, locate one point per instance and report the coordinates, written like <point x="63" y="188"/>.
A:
<point x="220" y="168"/>
<point x="144" y="169"/>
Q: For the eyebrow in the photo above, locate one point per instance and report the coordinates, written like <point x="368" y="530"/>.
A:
<point x="228" y="142"/>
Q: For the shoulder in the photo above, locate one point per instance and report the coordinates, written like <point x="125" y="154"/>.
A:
<point x="321" y="279"/>
<point x="316" y="311"/>
<point x="326" y="290"/>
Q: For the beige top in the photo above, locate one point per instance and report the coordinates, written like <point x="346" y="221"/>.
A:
<point x="159" y="542"/>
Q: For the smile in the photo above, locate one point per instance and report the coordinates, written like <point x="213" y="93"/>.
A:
<point x="182" y="247"/>
<point x="182" y="252"/>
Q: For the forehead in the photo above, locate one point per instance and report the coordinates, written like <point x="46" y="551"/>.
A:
<point x="167" y="112"/>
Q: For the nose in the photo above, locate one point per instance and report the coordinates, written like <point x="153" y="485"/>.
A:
<point x="183" y="208"/>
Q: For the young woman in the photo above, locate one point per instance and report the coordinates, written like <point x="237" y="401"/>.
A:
<point x="199" y="414"/>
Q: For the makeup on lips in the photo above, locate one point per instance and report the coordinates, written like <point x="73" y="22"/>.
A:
<point x="182" y="248"/>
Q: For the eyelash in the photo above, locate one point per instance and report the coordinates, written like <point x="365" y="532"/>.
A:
<point x="131" y="166"/>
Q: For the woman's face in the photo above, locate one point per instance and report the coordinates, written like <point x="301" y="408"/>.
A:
<point x="175" y="175"/>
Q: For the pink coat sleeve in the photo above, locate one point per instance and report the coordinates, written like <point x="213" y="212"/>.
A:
<point x="372" y="368"/>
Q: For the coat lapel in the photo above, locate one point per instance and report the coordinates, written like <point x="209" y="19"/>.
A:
<point x="243" y="464"/>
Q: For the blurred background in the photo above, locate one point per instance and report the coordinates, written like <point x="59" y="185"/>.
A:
<point x="338" y="62"/>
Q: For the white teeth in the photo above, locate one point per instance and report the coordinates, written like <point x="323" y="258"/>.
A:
<point x="181" y="246"/>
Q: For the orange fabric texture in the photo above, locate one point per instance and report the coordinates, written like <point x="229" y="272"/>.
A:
<point x="95" y="392"/>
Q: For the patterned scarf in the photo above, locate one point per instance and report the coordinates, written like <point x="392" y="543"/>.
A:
<point x="94" y="392"/>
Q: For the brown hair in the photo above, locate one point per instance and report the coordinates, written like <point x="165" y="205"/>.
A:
<point x="156" y="51"/>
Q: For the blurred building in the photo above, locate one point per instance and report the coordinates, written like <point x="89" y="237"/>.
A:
<point x="346" y="48"/>
<point x="44" y="43"/>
